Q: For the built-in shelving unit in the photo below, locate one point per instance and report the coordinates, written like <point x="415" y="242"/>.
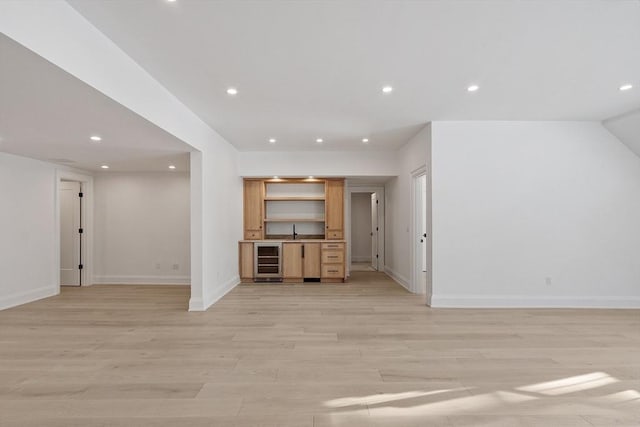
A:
<point x="299" y="203"/>
<point x="294" y="220"/>
<point x="305" y="218"/>
<point x="296" y="199"/>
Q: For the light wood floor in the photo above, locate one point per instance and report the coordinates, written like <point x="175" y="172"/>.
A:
<point x="363" y="353"/>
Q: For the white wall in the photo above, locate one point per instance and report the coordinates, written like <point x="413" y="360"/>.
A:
<point x="360" y="227"/>
<point x="222" y="220"/>
<point x="28" y="268"/>
<point x="141" y="228"/>
<point x="412" y="156"/>
<point x="317" y="163"/>
<point x="534" y="214"/>
<point x="57" y="32"/>
<point x="627" y="128"/>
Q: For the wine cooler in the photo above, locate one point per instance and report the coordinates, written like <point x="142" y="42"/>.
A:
<point x="267" y="262"/>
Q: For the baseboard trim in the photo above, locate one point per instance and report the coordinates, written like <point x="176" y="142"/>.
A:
<point x="514" y="301"/>
<point x="200" y="304"/>
<point x="400" y="279"/>
<point x="141" y="280"/>
<point x="26" y="297"/>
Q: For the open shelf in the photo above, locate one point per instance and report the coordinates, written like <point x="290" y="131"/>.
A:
<point x="294" y="220"/>
<point x="293" y="198"/>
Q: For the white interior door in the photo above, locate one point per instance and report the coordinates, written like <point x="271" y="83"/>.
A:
<point x="420" y="237"/>
<point x="70" y="237"/>
<point x="423" y="229"/>
<point x="374" y="231"/>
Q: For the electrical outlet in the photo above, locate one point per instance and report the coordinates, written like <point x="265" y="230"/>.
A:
<point x="547" y="281"/>
<point x="176" y="266"/>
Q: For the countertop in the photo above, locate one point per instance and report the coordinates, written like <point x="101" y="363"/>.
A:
<point x="293" y="241"/>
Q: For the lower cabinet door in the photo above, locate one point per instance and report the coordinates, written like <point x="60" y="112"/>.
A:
<point x="246" y="260"/>
<point x="292" y="260"/>
<point x="311" y="260"/>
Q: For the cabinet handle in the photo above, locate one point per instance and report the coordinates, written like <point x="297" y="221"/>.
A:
<point x="302" y="251"/>
<point x="332" y="256"/>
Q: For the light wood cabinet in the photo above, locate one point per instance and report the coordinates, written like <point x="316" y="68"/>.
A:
<point x="332" y="267"/>
<point x="334" y="205"/>
<point x="333" y="271"/>
<point x="253" y="207"/>
<point x="291" y="260"/>
<point x="311" y="260"/>
<point x="246" y="260"/>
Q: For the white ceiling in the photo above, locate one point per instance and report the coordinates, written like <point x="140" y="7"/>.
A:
<point x="47" y="114"/>
<point x="627" y="129"/>
<point x="315" y="69"/>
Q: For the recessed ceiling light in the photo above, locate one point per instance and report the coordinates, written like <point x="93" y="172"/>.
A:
<point x="232" y="91"/>
<point x="387" y="89"/>
<point x="104" y="167"/>
<point x="96" y="138"/>
<point x="365" y="140"/>
<point x="310" y="176"/>
<point x="319" y="140"/>
<point x="275" y="176"/>
<point x="171" y="1"/>
<point x="272" y="141"/>
<point x="626" y="87"/>
<point x="172" y="167"/>
<point x="473" y="88"/>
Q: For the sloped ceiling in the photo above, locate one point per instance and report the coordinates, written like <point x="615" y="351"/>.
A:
<point x="627" y="129"/>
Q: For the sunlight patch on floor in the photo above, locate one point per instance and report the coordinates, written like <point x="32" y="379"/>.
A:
<point x="420" y="403"/>
<point x="459" y="405"/>
<point x="622" y="397"/>
<point x="384" y="398"/>
<point x="570" y="384"/>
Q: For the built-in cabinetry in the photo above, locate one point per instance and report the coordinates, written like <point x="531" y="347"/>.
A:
<point x="278" y="208"/>
<point x="311" y="260"/>
<point x="332" y="261"/>
<point x="252" y="210"/>
<point x="303" y="214"/>
<point x="291" y="260"/>
<point x="301" y="261"/>
<point x="334" y="209"/>
<point x="246" y="260"/>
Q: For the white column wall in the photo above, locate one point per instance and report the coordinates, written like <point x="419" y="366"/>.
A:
<point x="28" y="269"/>
<point x="398" y="208"/>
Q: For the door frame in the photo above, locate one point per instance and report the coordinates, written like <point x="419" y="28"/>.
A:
<point x="355" y="188"/>
<point x="414" y="285"/>
<point x="86" y="221"/>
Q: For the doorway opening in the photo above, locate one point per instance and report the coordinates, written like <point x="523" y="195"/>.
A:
<point x="365" y="228"/>
<point x="71" y="230"/>
<point x="420" y="234"/>
<point x="363" y="245"/>
<point x="74" y="237"/>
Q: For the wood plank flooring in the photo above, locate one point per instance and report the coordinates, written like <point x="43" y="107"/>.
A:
<point x="356" y="354"/>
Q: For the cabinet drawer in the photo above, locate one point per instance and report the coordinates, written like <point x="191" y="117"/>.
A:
<point x="333" y="234"/>
<point x="252" y="235"/>
<point x="334" y="246"/>
<point x="333" y="271"/>
<point x="329" y="256"/>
